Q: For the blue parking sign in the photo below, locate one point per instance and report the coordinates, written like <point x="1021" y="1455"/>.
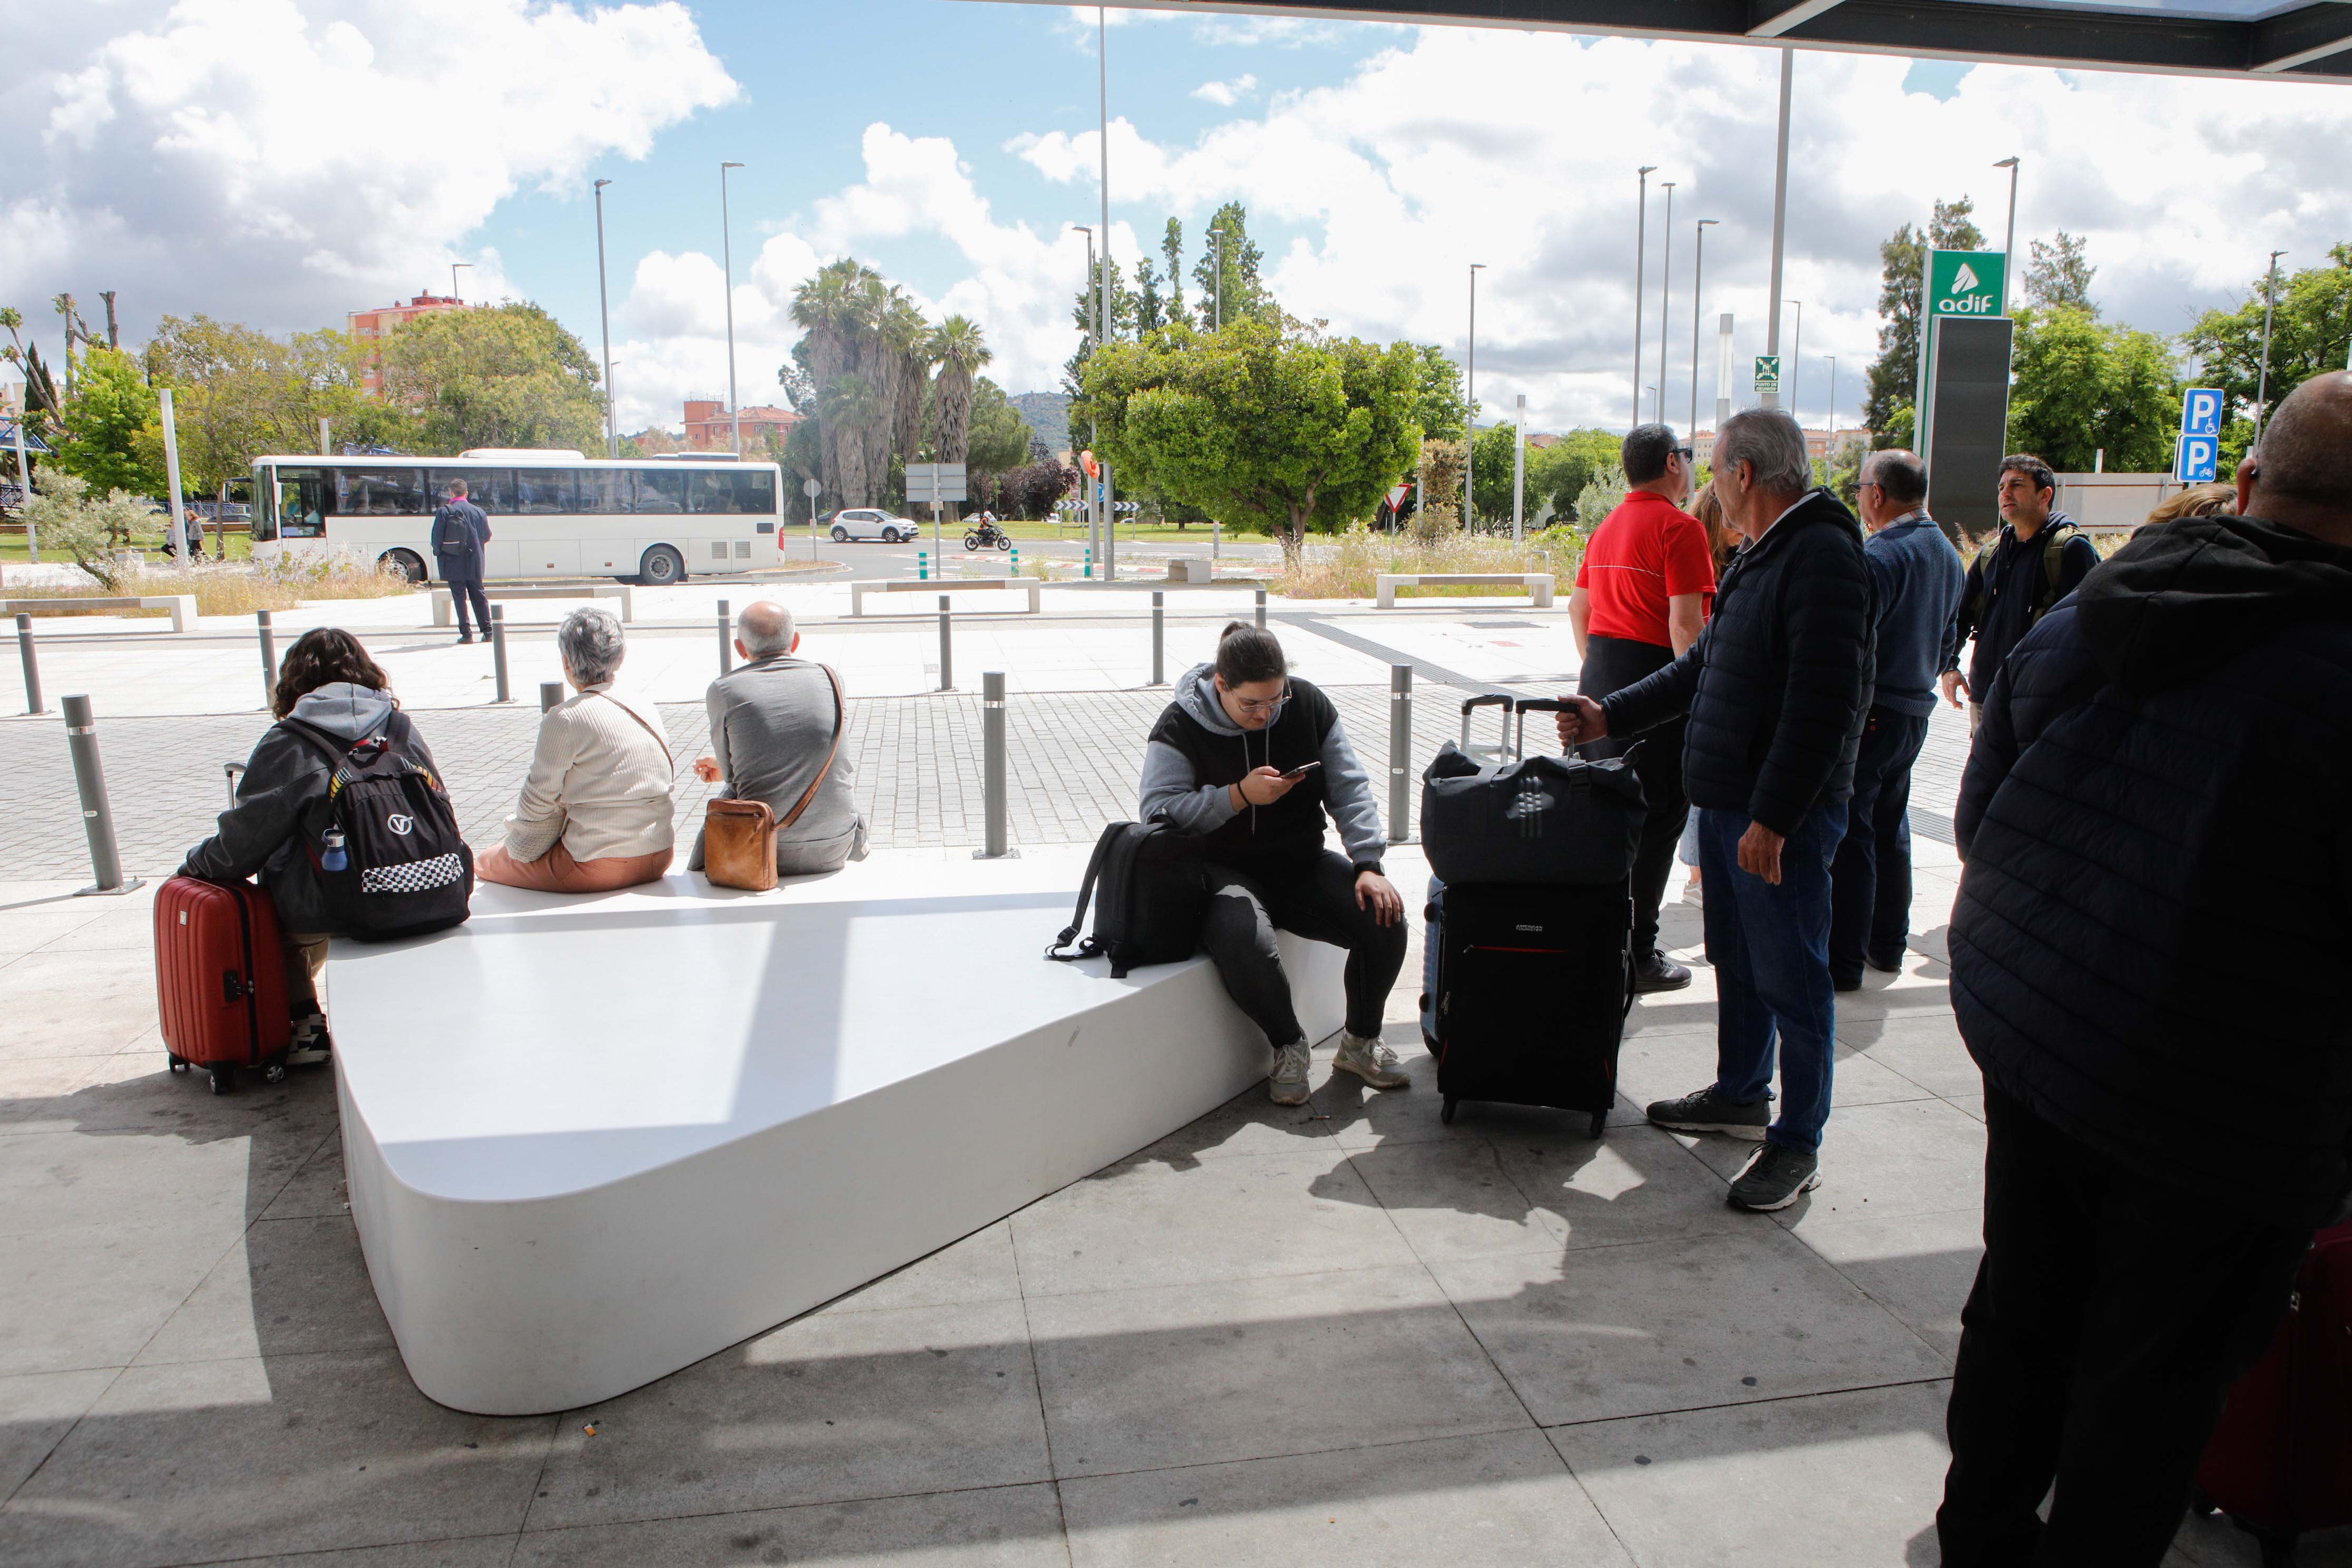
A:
<point x="2199" y="459"/>
<point x="2201" y="411"/>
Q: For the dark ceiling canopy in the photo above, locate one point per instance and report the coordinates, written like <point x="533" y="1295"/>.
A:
<point x="2286" y="39"/>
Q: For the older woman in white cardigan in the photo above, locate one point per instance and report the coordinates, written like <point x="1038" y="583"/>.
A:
<point x="595" y="811"/>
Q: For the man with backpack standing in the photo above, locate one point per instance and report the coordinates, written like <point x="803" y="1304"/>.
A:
<point x="2038" y="559"/>
<point x="461" y="537"/>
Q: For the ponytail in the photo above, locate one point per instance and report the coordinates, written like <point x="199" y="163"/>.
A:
<point x="1246" y="653"/>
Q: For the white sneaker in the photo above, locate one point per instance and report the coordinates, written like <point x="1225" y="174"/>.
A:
<point x="1369" y="1060"/>
<point x="1286" y="1085"/>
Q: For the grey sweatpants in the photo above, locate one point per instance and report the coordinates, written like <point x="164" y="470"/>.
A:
<point x="1314" y="899"/>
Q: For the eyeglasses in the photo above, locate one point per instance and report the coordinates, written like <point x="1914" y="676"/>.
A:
<point x="1684" y="453"/>
<point x="1252" y="705"/>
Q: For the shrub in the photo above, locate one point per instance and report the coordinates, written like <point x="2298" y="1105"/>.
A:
<point x="94" y="533"/>
<point x="1347" y="568"/>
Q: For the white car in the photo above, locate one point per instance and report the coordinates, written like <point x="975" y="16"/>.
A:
<point x="871" y="522"/>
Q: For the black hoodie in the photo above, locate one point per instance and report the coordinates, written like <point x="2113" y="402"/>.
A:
<point x="2149" y="943"/>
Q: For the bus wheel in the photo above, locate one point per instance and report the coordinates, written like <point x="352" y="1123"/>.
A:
<point x="661" y="567"/>
<point x="407" y="562"/>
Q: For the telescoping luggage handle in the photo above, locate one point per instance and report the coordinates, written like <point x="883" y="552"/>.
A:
<point x="1492" y="698"/>
<point x="1554" y="705"/>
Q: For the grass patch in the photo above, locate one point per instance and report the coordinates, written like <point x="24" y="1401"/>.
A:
<point x="239" y="588"/>
<point x="1347" y="568"/>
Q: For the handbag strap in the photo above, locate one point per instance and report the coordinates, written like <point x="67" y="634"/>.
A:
<point x="660" y="739"/>
<point x="1078" y="917"/>
<point x="840" y="722"/>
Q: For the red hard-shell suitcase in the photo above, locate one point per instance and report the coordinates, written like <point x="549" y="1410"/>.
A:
<point x="2281" y="1461"/>
<point x="220" y="979"/>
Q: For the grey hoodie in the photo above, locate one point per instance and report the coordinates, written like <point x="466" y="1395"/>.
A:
<point x="1171" y="789"/>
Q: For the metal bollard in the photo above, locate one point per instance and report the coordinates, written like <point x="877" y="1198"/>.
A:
<point x="268" y="657"/>
<point x="32" y="666"/>
<point x="97" y="816"/>
<point x="550" y="692"/>
<point x="991" y="766"/>
<point x="1091" y="562"/>
<point x="947" y="649"/>
<point x="1216" y="540"/>
<point x="1016" y="561"/>
<point x="498" y="650"/>
<point x="726" y="639"/>
<point x="1159" y="637"/>
<point x="922" y="566"/>
<point x="1399" y="753"/>
<point x="1261" y="609"/>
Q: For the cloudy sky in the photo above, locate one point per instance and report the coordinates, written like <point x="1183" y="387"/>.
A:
<point x="284" y="162"/>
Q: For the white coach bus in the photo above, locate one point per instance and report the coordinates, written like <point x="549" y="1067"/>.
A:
<point x="552" y="514"/>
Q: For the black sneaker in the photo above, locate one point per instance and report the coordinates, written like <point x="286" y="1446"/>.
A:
<point x="1887" y="965"/>
<point x="1658" y="972"/>
<point x="1708" y="1112"/>
<point x="1843" y="983"/>
<point x="1774" y="1177"/>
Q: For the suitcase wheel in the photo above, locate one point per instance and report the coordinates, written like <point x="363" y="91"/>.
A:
<point x="179" y="1064"/>
<point x="274" y="1073"/>
<point x="1446" y="1111"/>
<point x="220" y="1080"/>
<point x="1598" y="1125"/>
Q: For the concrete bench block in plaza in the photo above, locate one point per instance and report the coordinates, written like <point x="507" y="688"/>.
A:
<point x="593" y="1139"/>
<point x="182" y="606"/>
<point x="444" y="613"/>
<point x="857" y="591"/>
<point x="1538" y="584"/>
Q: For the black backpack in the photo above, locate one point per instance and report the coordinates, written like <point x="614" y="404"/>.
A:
<point x="1153" y="896"/>
<point x="405" y="870"/>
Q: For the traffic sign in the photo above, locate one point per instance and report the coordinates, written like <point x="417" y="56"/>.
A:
<point x="2199" y="461"/>
<point x="811" y="489"/>
<point x="1768" y="373"/>
<point x="1967" y="283"/>
<point x="1396" y="496"/>
<point x="2201" y="411"/>
<point x="935" y="482"/>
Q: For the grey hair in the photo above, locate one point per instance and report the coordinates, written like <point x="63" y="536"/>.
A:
<point x="1771" y="442"/>
<point x="589" y="643"/>
<point x="766" y="628"/>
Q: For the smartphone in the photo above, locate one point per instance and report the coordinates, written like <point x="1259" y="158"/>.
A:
<point x="1301" y="771"/>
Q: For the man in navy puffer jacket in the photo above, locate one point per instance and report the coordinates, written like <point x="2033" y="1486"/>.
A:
<point x="2148" y="962"/>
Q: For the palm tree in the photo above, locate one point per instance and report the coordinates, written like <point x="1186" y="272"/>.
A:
<point x="831" y="308"/>
<point x="907" y="337"/>
<point x="958" y="349"/>
<point x="853" y="405"/>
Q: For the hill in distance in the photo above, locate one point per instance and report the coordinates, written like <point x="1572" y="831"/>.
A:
<point x="1048" y="414"/>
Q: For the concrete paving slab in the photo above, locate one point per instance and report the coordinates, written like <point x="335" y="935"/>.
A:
<point x="127" y="922"/>
<point x="830" y="1408"/>
<point x="1636" y="1184"/>
<point x="1918" y="1266"/>
<point x="1837" y="1480"/>
<point x="317" y="1185"/>
<point x="1914" y="1157"/>
<point x="992" y="1527"/>
<point x="473" y="1552"/>
<point x="1664" y="1325"/>
<point x="1250" y="1125"/>
<point x="983" y="1267"/>
<point x="29" y="1085"/>
<point x="1145" y="1222"/>
<point x="76" y="1004"/>
<point x="237" y="1459"/>
<point x="36" y="1410"/>
<point x="58" y="1182"/>
<point x="91" y="1296"/>
<point x="289" y="1286"/>
<point x="1245" y="1369"/>
<point x="1452" y="1198"/>
<point x="1503" y="1498"/>
<point x="32" y="915"/>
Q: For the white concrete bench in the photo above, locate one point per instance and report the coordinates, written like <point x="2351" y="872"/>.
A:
<point x="182" y="606"/>
<point x="443" y="614"/>
<point x="857" y="591"/>
<point x="1538" y="584"/>
<point x="590" y="1141"/>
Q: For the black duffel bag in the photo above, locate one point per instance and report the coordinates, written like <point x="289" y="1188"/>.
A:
<point x="1153" y="896"/>
<point x="1537" y="820"/>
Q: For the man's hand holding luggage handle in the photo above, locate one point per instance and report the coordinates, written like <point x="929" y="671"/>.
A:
<point x="1760" y="848"/>
<point x="1581" y="721"/>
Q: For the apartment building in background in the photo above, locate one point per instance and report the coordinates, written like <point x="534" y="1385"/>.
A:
<point x="368" y="328"/>
<point x="709" y="429"/>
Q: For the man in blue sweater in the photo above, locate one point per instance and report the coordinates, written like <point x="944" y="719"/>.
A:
<point x="1918" y="579"/>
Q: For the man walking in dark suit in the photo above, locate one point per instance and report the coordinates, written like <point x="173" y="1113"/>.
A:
<point x="461" y="536"/>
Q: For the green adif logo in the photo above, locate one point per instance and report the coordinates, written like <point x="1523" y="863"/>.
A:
<point x="1967" y="282"/>
<point x="1964" y="282"/>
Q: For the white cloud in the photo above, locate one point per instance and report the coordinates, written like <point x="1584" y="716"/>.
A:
<point x="247" y="159"/>
<point x="1226" y="94"/>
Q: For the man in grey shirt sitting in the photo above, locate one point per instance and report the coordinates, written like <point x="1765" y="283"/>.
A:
<point x="772" y="724"/>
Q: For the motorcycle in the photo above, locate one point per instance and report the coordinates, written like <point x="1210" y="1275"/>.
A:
<point x="985" y="535"/>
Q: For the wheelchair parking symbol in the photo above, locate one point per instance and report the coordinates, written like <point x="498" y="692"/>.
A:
<point x="2200" y="458"/>
<point x="2201" y="411"/>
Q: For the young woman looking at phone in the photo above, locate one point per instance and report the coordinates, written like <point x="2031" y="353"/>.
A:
<point x="1252" y="759"/>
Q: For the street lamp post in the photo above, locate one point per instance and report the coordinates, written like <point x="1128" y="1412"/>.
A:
<point x="1780" y="217"/>
<point x="1641" y="263"/>
<point x="453" y="278"/>
<point x="1796" y="363"/>
<point x="1665" y="295"/>
<point x="605" y="316"/>
<point x="1657" y="403"/>
<point x="1103" y="493"/>
<point x="1094" y="341"/>
<point x="2262" y="386"/>
<point x="727" y="249"/>
<point x="1833" y="359"/>
<point x="1470" y="420"/>
<point x="1698" y="277"/>
<point x="1519" y="470"/>
<point x="2008" y="243"/>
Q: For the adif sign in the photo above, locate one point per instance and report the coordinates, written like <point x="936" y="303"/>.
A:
<point x="1967" y="283"/>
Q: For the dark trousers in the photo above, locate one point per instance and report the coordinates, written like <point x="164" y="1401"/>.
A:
<point x="1870" y="881"/>
<point x="1316" y="898"/>
<point x="1612" y="663"/>
<point x="2109" y="1318"/>
<point x="464" y="591"/>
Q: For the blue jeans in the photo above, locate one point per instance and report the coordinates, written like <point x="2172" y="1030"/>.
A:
<point x="1769" y="947"/>
<point x="1870" y="900"/>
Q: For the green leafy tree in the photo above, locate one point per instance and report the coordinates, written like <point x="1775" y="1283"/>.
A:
<point x="111" y="404"/>
<point x="2309" y="331"/>
<point x="1124" y="304"/>
<point x="1171" y="252"/>
<point x="1600" y="496"/>
<point x="1491" y="470"/>
<point x="2059" y="276"/>
<point x="2081" y="385"/>
<point x="1557" y="473"/>
<point x="238" y="392"/>
<point x="959" y="348"/>
<point x="1244" y="294"/>
<point x="857" y="323"/>
<point x="999" y="439"/>
<point x="92" y="533"/>
<point x="1894" y="375"/>
<point x="504" y="376"/>
<point x="1269" y="426"/>
<point x="1439" y="405"/>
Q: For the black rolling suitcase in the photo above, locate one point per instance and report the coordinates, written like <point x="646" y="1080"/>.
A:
<point x="1528" y="987"/>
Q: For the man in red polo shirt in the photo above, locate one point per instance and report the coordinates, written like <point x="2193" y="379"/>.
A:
<point x="1640" y="598"/>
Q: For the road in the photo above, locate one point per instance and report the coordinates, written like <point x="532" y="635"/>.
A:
<point x="873" y="560"/>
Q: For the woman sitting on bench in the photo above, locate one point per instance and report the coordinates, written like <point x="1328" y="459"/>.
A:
<point x="1250" y="759"/>
<point x="596" y="809"/>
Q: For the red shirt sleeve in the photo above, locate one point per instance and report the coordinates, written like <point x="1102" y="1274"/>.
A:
<point x="1583" y="565"/>
<point x="1690" y="565"/>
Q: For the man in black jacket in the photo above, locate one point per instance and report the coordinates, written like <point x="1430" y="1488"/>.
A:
<point x="2038" y="559"/>
<point x="2147" y="963"/>
<point x="461" y="536"/>
<point x="1776" y="688"/>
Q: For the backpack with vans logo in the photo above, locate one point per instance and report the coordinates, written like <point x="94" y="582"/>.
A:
<point x="389" y="859"/>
